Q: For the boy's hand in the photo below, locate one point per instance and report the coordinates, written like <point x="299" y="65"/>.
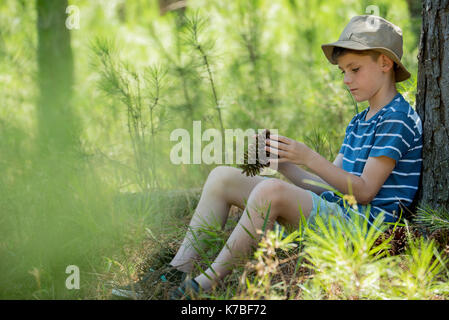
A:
<point x="288" y="150"/>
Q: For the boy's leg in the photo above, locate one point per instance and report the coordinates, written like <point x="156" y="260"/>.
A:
<point x="285" y="200"/>
<point x="225" y="186"/>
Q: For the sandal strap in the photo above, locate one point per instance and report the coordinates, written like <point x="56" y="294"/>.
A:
<point x="165" y="274"/>
<point x="186" y="290"/>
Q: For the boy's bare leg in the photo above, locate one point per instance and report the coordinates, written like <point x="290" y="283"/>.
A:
<point x="225" y="186"/>
<point x="285" y="200"/>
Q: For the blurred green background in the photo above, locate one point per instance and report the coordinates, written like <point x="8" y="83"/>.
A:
<point x="86" y="115"/>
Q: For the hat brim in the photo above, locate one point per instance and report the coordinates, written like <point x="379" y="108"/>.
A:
<point x="401" y="73"/>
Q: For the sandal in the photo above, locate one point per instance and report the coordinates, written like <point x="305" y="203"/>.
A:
<point x="136" y="290"/>
<point x="186" y="291"/>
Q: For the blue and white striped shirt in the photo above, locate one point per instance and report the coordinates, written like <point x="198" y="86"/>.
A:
<point x="394" y="131"/>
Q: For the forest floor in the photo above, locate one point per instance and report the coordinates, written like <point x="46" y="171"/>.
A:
<point x="157" y="249"/>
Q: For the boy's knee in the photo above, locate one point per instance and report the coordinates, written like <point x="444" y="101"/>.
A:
<point x="269" y="191"/>
<point x="220" y="178"/>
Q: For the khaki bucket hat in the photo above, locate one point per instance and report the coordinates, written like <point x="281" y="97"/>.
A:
<point x="369" y="32"/>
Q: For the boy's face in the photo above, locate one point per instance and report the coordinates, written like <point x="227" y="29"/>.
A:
<point x="363" y="76"/>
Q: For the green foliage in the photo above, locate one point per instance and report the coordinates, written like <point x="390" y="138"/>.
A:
<point x="140" y="93"/>
<point x="344" y="260"/>
<point x="432" y="219"/>
<point x="231" y="64"/>
<point x="423" y="276"/>
<point x="195" y="26"/>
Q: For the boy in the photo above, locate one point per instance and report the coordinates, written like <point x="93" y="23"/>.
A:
<point x="380" y="156"/>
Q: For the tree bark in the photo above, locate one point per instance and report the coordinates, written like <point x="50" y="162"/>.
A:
<point x="432" y="103"/>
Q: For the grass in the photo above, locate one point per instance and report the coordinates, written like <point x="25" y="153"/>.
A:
<point x="114" y="237"/>
<point x="265" y="70"/>
<point x="339" y="262"/>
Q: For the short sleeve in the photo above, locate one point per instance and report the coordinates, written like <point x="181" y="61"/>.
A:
<point x="348" y="130"/>
<point x="343" y="146"/>
<point x="394" y="136"/>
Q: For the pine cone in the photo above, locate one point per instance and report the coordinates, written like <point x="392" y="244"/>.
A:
<point x="253" y="169"/>
<point x="441" y="237"/>
<point x="398" y="241"/>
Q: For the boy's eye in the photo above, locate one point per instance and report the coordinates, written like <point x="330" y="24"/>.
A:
<point x="353" y="70"/>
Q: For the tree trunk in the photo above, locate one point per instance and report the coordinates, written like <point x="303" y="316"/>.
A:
<point x="55" y="76"/>
<point x="432" y="103"/>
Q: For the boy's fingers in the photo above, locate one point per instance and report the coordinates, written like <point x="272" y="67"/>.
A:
<point x="280" y="138"/>
<point x="276" y="161"/>
<point x="277" y="144"/>
<point x="273" y="143"/>
<point x="275" y="151"/>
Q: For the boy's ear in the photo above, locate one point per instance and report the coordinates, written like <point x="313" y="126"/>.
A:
<point x="385" y="62"/>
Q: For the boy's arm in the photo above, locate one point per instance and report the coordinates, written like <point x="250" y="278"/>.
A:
<point x="296" y="175"/>
<point x="365" y="187"/>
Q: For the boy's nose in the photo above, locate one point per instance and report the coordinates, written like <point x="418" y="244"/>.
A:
<point x="347" y="79"/>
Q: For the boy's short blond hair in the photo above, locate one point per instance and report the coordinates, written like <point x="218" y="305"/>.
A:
<point x="339" y="51"/>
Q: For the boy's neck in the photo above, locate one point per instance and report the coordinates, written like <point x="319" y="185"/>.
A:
<point x="382" y="98"/>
